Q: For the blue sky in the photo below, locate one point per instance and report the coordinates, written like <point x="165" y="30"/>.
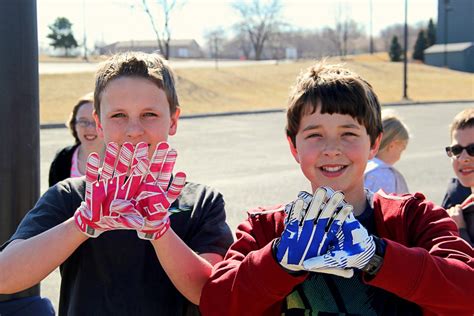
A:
<point x="114" y="20"/>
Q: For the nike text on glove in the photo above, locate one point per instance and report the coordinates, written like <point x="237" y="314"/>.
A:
<point x="155" y="197"/>
<point x="107" y="202"/>
<point x="309" y="231"/>
<point x="354" y="249"/>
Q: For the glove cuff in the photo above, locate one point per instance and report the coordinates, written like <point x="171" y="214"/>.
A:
<point x="84" y="226"/>
<point x="274" y="252"/>
<point x="155" y="234"/>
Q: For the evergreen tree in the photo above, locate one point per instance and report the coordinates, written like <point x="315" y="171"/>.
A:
<point x="395" y="52"/>
<point x="420" y="46"/>
<point x="431" y="34"/>
<point x="61" y="34"/>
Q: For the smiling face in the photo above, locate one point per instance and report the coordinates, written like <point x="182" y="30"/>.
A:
<point x="135" y="110"/>
<point x="333" y="150"/>
<point x="463" y="165"/>
<point x="85" y="126"/>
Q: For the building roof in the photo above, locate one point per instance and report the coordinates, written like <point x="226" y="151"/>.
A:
<point x="152" y="43"/>
<point x="451" y="47"/>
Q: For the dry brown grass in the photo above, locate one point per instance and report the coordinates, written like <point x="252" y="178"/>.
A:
<point x="204" y="90"/>
<point x="59" y="93"/>
<point x="69" y="59"/>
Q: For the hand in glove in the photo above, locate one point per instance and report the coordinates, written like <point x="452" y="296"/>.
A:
<point x="310" y="231"/>
<point x="107" y="204"/>
<point x="155" y="197"/>
<point x="354" y="249"/>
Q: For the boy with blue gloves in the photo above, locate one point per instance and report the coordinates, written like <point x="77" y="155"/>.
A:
<point x="342" y="250"/>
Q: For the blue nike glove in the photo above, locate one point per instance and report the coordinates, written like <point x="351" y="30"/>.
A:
<point x="310" y="229"/>
<point x="354" y="249"/>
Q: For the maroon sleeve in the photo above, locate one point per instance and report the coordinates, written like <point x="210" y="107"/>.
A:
<point x="248" y="281"/>
<point x="426" y="261"/>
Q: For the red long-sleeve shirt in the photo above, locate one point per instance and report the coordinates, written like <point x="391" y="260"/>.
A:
<point x="426" y="262"/>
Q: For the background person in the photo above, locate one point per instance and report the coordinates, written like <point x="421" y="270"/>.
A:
<point x="459" y="198"/>
<point x="71" y="160"/>
<point x="380" y="172"/>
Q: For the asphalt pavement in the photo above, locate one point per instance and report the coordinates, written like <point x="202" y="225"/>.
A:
<point x="246" y="158"/>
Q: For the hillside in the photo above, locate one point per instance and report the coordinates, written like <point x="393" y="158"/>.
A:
<point x="205" y="90"/>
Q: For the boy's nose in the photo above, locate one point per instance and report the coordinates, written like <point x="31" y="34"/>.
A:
<point x="134" y="129"/>
<point x="332" y="149"/>
<point x="464" y="156"/>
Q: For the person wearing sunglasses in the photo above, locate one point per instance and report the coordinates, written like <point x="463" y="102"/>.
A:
<point x="459" y="198"/>
<point x="70" y="162"/>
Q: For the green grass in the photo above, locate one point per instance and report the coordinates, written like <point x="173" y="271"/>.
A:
<point x="205" y="90"/>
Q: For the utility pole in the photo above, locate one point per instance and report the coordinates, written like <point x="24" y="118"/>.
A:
<point x="84" y="29"/>
<point x="216" y="52"/>
<point x="371" y="43"/>
<point x="447" y="8"/>
<point x="19" y="119"/>
<point x="405" y="61"/>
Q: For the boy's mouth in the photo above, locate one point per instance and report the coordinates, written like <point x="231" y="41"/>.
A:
<point x="466" y="171"/>
<point x="90" y="137"/>
<point x="332" y="170"/>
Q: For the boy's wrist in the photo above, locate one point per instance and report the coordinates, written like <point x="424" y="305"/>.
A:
<point x="376" y="262"/>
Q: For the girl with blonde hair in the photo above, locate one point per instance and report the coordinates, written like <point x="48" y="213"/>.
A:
<point x="380" y="172"/>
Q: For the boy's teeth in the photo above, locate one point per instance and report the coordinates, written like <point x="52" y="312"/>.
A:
<point x="332" y="169"/>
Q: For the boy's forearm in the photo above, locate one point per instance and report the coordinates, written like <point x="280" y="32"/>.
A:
<point x="26" y="262"/>
<point x="187" y="270"/>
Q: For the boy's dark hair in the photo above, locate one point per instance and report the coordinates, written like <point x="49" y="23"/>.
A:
<point x="462" y="120"/>
<point x="336" y="90"/>
<point x="71" y="122"/>
<point x="139" y="65"/>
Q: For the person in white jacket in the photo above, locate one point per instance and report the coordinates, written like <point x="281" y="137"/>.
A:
<point x="380" y="172"/>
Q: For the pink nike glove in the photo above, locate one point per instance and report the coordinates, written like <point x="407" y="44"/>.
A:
<point x="107" y="204"/>
<point x="155" y="197"/>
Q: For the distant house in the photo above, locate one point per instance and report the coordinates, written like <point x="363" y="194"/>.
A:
<point x="457" y="56"/>
<point x="178" y="48"/>
<point x="454" y="36"/>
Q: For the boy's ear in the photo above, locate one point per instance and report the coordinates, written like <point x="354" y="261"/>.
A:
<point x="293" y="149"/>
<point x="98" y="125"/>
<point x="174" y="122"/>
<point x="375" y="148"/>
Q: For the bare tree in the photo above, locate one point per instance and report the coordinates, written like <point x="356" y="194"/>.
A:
<point x="215" y="39"/>
<point x="163" y="33"/>
<point x="346" y="30"/>
<point x="397" y="30"/>
<point x="259" y="19"/>
<point x="237" y="47"/>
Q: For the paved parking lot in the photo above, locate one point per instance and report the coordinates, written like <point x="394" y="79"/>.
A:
<point x="246" y="158"/>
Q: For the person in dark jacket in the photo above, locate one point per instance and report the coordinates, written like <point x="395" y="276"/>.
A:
<point x="70" y="161"/>
<point x="459" y="198"/>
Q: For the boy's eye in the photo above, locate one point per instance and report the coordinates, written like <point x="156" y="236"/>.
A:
<point x="150" y="114"/>
<point x="117" y="115"/>
<point x="313" y="135"/>
<point x="349" y="134"/>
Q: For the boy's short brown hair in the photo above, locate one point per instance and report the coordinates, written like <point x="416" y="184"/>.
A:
<point x="336" y="90"/>
<point x="152" y="67"/>
<point x="462" y="120"/>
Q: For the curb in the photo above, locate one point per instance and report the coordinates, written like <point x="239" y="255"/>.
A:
<point x="204" y="115"/>
<point x="409" y="102"/>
